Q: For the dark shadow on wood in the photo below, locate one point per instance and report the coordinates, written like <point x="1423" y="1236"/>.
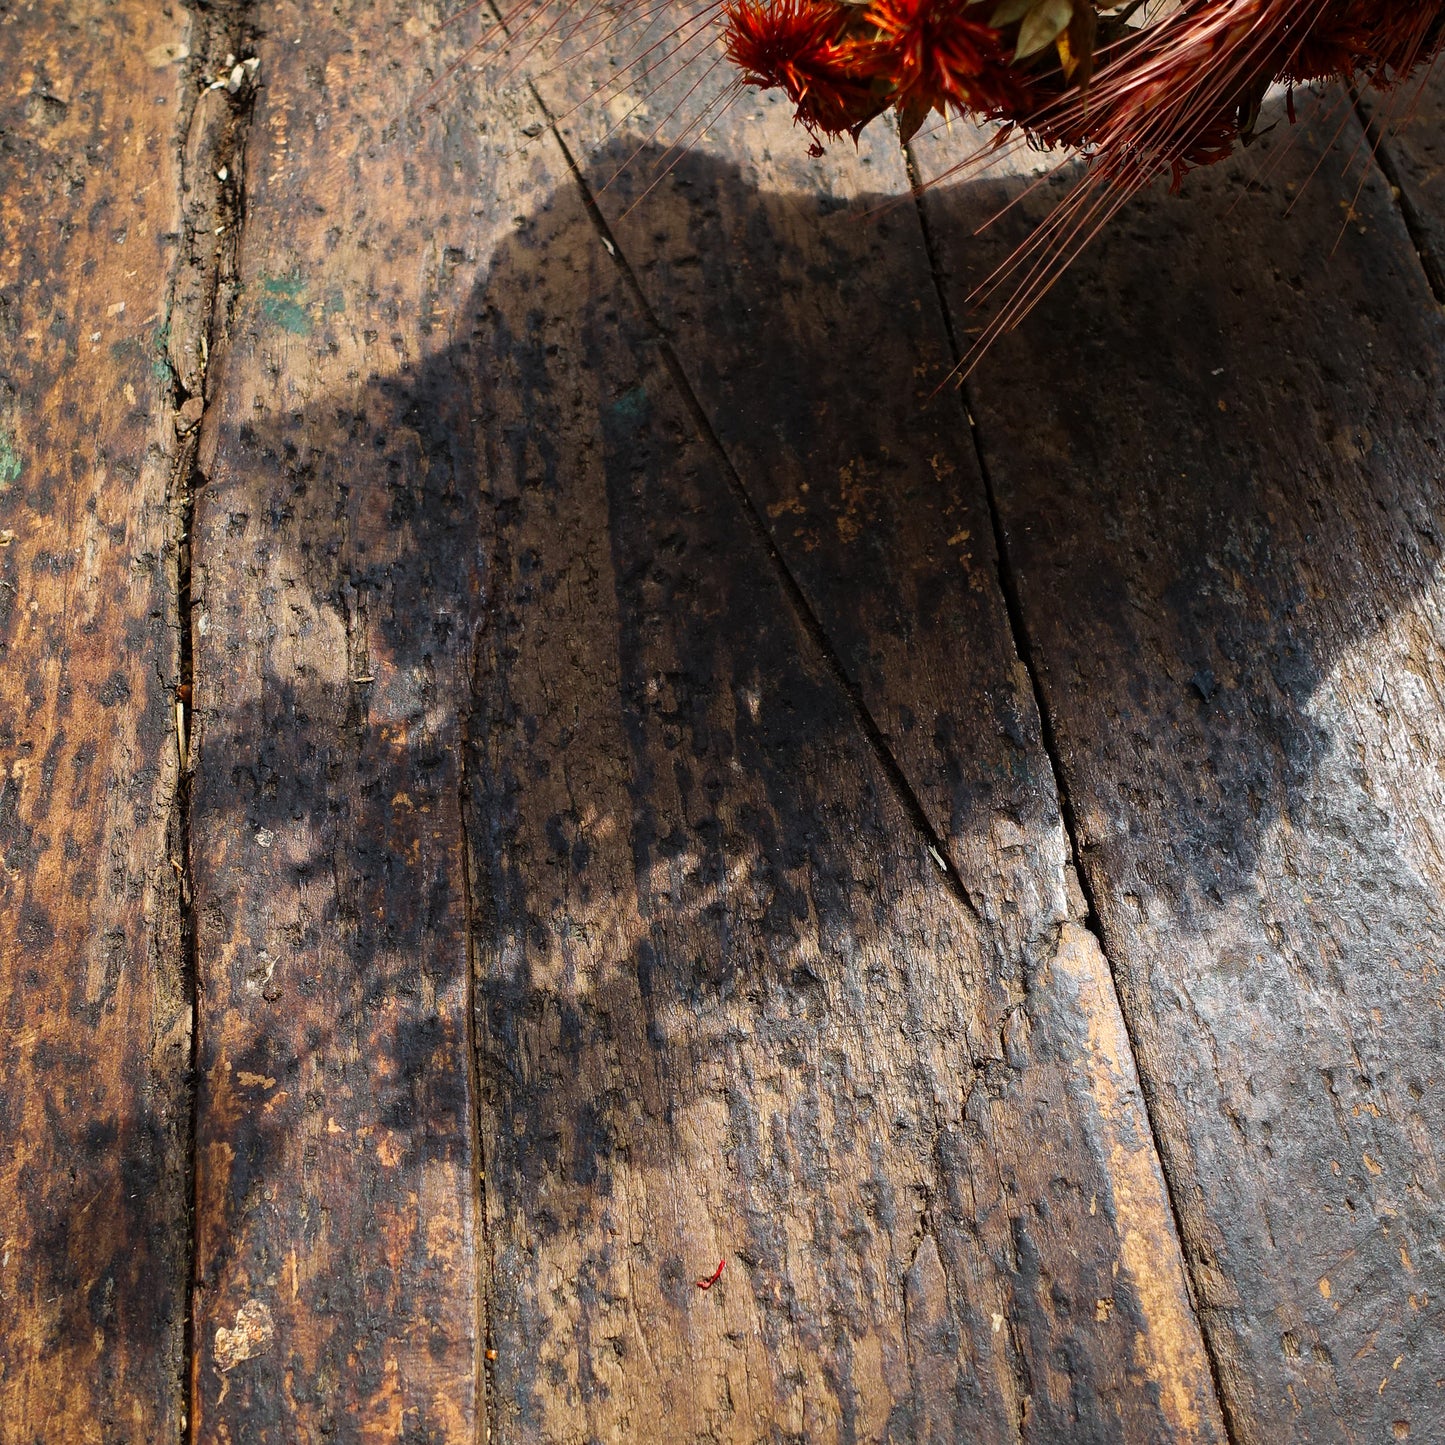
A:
<point x="1217" y="448"/>
<point x="680" y="757"/>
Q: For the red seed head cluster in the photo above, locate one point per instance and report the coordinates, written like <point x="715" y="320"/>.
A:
<point x="1142" y="86"/>
<point x="842" y="64"/>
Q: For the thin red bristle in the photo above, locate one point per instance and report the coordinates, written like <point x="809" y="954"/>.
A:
<point x="1136" y="92"/>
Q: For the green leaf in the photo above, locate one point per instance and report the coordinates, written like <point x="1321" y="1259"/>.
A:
<point x="1042" y="26"/>
<point x="1009" y="11"/>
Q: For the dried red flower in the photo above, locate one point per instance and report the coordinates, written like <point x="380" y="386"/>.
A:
<point x="802" y="47"/>
<point x="1159" y="98"/>
<point x="1175" y="93"/>
<point x="934" y="54"/>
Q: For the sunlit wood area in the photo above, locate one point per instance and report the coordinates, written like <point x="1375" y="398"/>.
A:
<point x="547" y="741"/>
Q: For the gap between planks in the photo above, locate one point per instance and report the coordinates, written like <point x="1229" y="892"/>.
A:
<point x="1023" y="646"/>
<point x="484" y="1345"/>
<point x="213" y="142"/>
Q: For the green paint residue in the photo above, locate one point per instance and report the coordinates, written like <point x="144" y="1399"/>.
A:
<point x="11" y="464"/>
<point x="631" y="406"/>
<point x="161" y="349"/>
<point x="293" y="284"/>
<point x="282" y="303"/>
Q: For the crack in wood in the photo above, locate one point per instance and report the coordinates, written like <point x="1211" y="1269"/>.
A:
<point x="486" y="1349"/>
<point x="212" y="152"/>
<point x="758" y="525"/>
<point x="1008" y="586"/>
<point x="1382" y="149"/>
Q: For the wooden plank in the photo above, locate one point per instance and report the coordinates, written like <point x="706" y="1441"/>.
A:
<point x="1406" y="127"/>
<point x="94" y="1109"/>
<point x="336" y="570"/>
<point x="731" y="1005"/>
<point x="1221" y="491"/>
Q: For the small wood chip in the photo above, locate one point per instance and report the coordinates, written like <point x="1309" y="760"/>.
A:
<point x="253" y="1335"/>
<point x="189" y="416"/>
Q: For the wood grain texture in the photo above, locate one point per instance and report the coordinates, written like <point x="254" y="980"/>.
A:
<point x="563" y="924"/>
<point x="94" y="1104"/>
<point x="719" y="957"/>
<point x="1405" y="127"/>
<point x="1221" y="497"/>
<point x="335" y="584"/>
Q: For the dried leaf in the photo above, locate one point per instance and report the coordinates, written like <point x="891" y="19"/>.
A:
<point x="1076" y="46"/>
<point x="911" y="115"/>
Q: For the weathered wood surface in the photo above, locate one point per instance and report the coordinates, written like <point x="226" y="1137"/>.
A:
<point x="730" y="1006"/>
<point x="621" y="832"/>
<point x="1407" y="129"/>
<point x="1221" y="501"/>
<point x="337" y="547"/>
<point x="94" y="1119"/>
<point x="681" y="952"/>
